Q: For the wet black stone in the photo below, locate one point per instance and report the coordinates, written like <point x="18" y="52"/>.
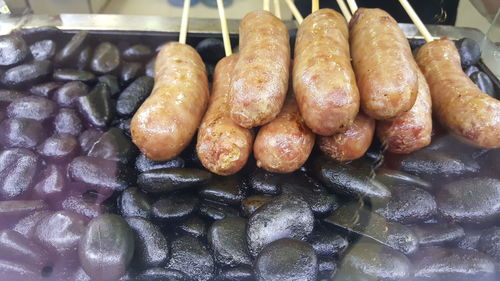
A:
<point x="114" y="145"/>
<point x="96" y="107"/>
<point x="60" y="232"/>
<point x="251" y="203"/>
<point x="166" y="180"/>
<point x="106" y="58"/>
<point x="80" y="205"/>
<point x="437" y="233"/>
<point x="130" y="71"/>
<point x="88" y="137"/>
<point x="470" y="240"/>
<point x="43" y="50"/>
<point x="474" y="200"/>
<point x="288" y="216"/>
<point x="408" y="204"/>
<point x="27" y="225"/>
<point x="17" y="248"/>
<point x="67" y="122"/>
<point x="469" y="50"/>
<point x="134" y="203"/>
<point x="45" y="89"/>
<point x="21" y="132"/>
<point x="18" y="168"/>
<point x="287" y="259"/>
<point x="489" y="243"/>
<point x="211" y="50"/>
<point x="227" y="190"/>
<point x="124" y="125"/>
<point x="216" y="211"/>
<point x="14" y="50"/>
<point x="67" y="94"/>
<point x="326" y="269"/>
<point x="84" y="58"/>
<point x="106" y="248"/>
<point x="151" y="246"/>
<point x="17" y="271"/>
<point x="328" y="243"/>
<point x="59" y="148"/>
<point x="371" y="261"/>
<point x="161" y="274"/>
<point x="137" y="52"/>
<point x="144" y="164"/>
<point x="194" y="226"/>
<point x="190" y="256"/>
<point x="69" y="75"/>
<point x="150" y="68"/>
<point x="8" y="96"/>
<point x="72" y="48"/>
<point x="133" y="96"/>
<point x="52" y="182"/>
<point x="239" y="273"/>
<point x="34" y="34"/>
<point x="15" y="209"/>
<point x="31" y="107"/>
<point x="112" y="83"/>
<point x="471" y="69"/>
<point x="483" y="81"/>
<point x="348" y="180"/>
<point x="392" y="177"/>
<point x="25" y="75"/>
<point x="227" y="239"/>
<point x="437" y="263"/>
<point x="174" y="207"/>
<point x="355" y="218"/>
<point x="262" y="181"/>
<point x="97" y="172"/>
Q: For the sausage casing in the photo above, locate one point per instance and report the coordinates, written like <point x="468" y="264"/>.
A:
<point x="353" y="143"/>
<point x="383" y="63"/>
<point x="223" y="146"/>
<point x="167" y="120"/>
<point x="284" y="144"/>
<point x="260" y="78"/>
<point x="412" y="130"/>
<point x="457" y="102"/>
<point x="323" y="79"/>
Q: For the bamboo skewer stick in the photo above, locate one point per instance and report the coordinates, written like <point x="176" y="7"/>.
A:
<point x="352" y="5"/>
<point x="266" y="5"/>
<point x="416" y="20"/>
<point x="296" y="14"/>
<point x="344" y="10"/>
<point x="315" y="5"/>
<point x="277" y="10"/>
<point x="184" y="22"/>
<point x="223" y="26"/>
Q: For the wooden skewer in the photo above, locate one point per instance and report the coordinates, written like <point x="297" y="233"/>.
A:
<point x="184" y="22"/>
<point x="296" y="14"/>
<point x="277" y="10"/>
<point x="344" y="10"/>
<point x="352" y="5"/>
<point x="315" y="5"/>
<point x="267" y="5"/>
<point x="416" y="20"/>
<point x="223" y="26"/>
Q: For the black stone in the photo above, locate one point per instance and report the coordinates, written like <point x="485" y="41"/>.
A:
<point x="69" y="75"/>
<point x="288" y="216"/>
<point x="211" y="50"/>
<point x="134" y="203"/>
<point x="67" y="121"/>
<point x="43" y="50"/>
<point x="106" y="248"/>
<point x="227" y="239"/>
<point x="59" y="148"/>
<point x="26" y="75"/>
<point x="392" y="177"/>
<point x="72" y="48"/>
<point x="161" y="274"/>
<point x="150" y="68"/>
<point x="31" y="107"/>
<point x="194" y="226"/>
<point x="217" y="211"/>
<point x="97" y="172"/>
<point x="144" y="164"/>
<point x="437" y="233"/>
<point x="133" y="96"/>
<point x="489" y="243"/>
<point x="470" y="240"/>
<point x="14" y="50"/>
<point x="67" y="94"/>
<point x="174" y="207"/>
<point x="34" y="34"/>
<point x="473" y="200"/>
<point x="52" y="182"/>
<point x="287" y="259"/>
<point x="483" y="81"/>
<point x="84" y="58"/>
<point x="18" y="168"/>
<point x="151" y="246"/>
<point x="45" y="89"/>
<point x="17" y="271"/>
<point x="471" y="69"/>
<point x="226" y="190"/>
<point x="114" y="145"/>
<point x="191" y="257"/>
<point x="469" y="50"/>
<point x="88" y="137"/>
<point x="328" y="243"/>
<point x="80" y="205"/>
<point x="262" y="181"/>
<point x="15" y="209"/>
<point x="15" y="247"/>
<point x="21" y="132"/>
<point x="137" y="52"/>
<point x="124" y="125"/>
<point x="96" y="107"/>
<point x="239" y="273"/>
<point x="106" y="58"/>
<point x="27" y="225"/>
<point x="166" y="180"/>
<point x="112" y="83"/>
<point x="130" y="71"/>
<point x="8" y="96"/>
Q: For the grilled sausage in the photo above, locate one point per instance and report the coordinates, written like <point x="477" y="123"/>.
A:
<point x="284" y="144"/>
<point x="260" y="80"/>
<point x="383" y="63"/>
<point x="351" y="144"/>
<point x="323" y="79"/>
<point x="411" y="130"/>
<point x="223" y="146"/>
<point x="166" y="122"/>
<point x="456" y="101"/>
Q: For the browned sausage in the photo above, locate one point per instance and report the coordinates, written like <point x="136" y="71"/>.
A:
<point x="223" y="146"/>
<point x="283" y="145"/>
<point x="456" y="101"/>
<point x="167" y="121"/>
<point x="411" y="130"/>
<point x="260" y="80"/>
<point x="351" y="144"/>
<point x="323" y="79"/>
<point x="383" y="63"/>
